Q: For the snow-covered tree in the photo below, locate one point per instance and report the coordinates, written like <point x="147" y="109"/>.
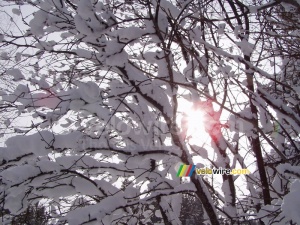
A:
<point x="17" y="2"/>
<point x="6" y="84"/>
<point x="33" y="215"/>
<point x="106" y="91"/>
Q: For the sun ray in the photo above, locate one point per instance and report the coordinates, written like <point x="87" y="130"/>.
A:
<point x="193" y="125"/>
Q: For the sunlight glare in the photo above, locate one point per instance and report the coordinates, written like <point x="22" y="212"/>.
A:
<point x="195" y="120"/>
<point x="195" y="123"/>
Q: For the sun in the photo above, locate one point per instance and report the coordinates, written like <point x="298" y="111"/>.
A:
<point x="194" y="125"/>
<point x="195" y="122"/>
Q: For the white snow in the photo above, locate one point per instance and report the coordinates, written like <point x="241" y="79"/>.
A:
<point x="129" y="33"/>
<point x="38" y="22"/>
<point x="85" y="186"/>
<point x="117" y="59"/>
<point x="291" y="203"/>
<point x="16" y="11"/>
<point x="4" y="56"/>
<point x="83" y="53"/>
<point x="89" y="91"/>
<point x="246" y="47"/>
<point x="169" y="8"/>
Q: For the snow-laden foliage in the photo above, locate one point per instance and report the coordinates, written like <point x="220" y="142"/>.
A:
<point x="102" y="96"/>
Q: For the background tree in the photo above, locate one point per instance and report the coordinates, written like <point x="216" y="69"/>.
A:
<point x="33" y="215"/>
<point x="7" y="54"/>
<point x="105" y="88"/>
<point x="191" y="210"/>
